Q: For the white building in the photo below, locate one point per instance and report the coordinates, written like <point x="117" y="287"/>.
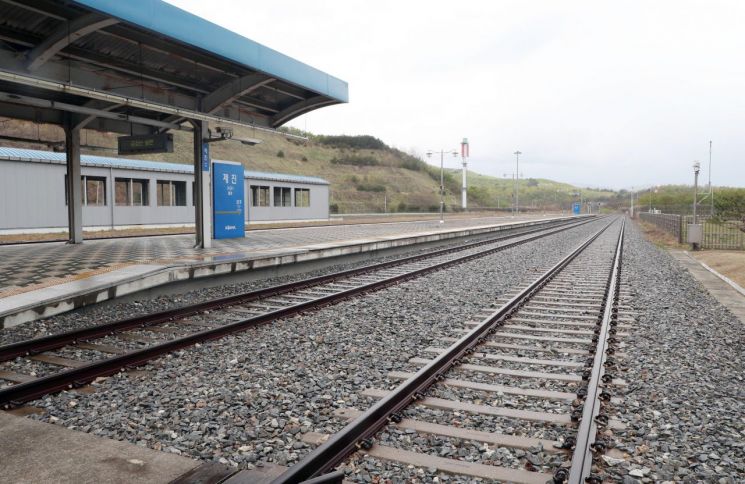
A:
<point x="120" y="192"/>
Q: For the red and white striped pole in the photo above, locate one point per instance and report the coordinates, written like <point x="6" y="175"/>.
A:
<point x="464" y="154"/>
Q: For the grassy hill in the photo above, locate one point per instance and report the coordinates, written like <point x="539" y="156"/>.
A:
<point x="364" y="173"/>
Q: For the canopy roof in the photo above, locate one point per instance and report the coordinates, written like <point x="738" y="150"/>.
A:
<point x="149" y="63"/>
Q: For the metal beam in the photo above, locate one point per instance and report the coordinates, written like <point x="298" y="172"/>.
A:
<point x="66" y="34"/>
<point x="232" y="90"/>
<point x="302" y="107"/>
<point x="81" y="121"/>
<point x="74" y="184"/>
<point x="72" y="108"/>
<point x="52" y="11"/>
<point x="137" y="103"/>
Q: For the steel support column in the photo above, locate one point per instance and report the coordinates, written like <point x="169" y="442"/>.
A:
<point x="202" y="185"/>
<point x="74" y="182"/>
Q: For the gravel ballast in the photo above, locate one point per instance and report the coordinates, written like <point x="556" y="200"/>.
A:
<point x="684" y="405"/>
<point x="114" y="310"/>
<point x="246" y="399"/>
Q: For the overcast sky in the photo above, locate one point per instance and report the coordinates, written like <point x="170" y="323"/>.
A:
<point x="597" y="93"/>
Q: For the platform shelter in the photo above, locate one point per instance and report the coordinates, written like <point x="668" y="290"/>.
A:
<point x="145" y="67"/>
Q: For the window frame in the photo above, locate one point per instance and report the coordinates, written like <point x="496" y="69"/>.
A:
<point x="103" y="180"/>
<point x="130" y="191"/>
<point x="305" y="198"/>
<point x="258" y="190"/>
<point x="173" y="189"/>
<point x="282" y="191"/>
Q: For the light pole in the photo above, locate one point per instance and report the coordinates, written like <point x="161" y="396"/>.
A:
<point x="517" y="181"/>
<point x="711" y="191"/>
<point x="464" y="154"/>
<point x="696" y="169"/>
<point x="442" y="179"/>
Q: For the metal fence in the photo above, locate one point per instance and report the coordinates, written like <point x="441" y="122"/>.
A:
<point x="718" y="234"/>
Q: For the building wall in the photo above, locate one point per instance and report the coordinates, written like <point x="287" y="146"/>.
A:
<point x="318" y="210"/>
<point x="32" y="196"/>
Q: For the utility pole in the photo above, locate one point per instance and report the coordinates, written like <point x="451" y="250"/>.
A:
<point x="711" y="190"/>
<point x="517" y="181"/>
<point x="464" y="154"/>
<point x="442" y="179"/>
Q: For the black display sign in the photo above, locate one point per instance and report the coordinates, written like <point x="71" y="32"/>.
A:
<point x="148" y="143"/>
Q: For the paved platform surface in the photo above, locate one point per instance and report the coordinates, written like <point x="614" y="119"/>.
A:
<point x="23" y="266"/>
<point x="729" y="296"/>
<point x="39" y="453"/>
<point x="41" y="280"/>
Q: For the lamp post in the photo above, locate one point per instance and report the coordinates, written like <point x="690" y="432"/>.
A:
<point x="517" y="154"/>
<point x="442" y="178"/>
<point x="711" y="191"/>
<point x="464" y="154"/>
<point x="696" y="169"/>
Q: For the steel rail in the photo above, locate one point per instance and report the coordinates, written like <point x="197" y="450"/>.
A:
<point x="75" y="377"/>
<point x="353" y="436"/>
<point x="55" y="341"/>
<point x="587" y="432"/>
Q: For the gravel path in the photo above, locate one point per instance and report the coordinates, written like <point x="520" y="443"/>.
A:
<point x="246" y="399"/>
<point x="685" y="403"/>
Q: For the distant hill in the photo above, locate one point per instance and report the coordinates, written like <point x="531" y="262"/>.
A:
<point x="364" y="172"/>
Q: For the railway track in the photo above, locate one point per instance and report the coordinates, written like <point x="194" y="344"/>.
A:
<point x="544" y="363"/>
<point x="32" y="367"/>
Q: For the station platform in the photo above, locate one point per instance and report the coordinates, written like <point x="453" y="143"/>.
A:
<point x="41" y="280"/>
<point x="35" y="452"/>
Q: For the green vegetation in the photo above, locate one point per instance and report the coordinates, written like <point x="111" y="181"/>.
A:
<point x="371" y="187"/>
<point x="355" y="160"/>
<point x="353" y="142"/>
<point x="729" y="203"/>
<point x="486" y="191"/>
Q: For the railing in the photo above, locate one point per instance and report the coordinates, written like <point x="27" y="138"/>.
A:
<point x="717" y="234"/>
<point x="667" y="222"/>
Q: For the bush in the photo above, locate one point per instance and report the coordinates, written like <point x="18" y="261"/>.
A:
<point x="280" y="154"/>
<point x="353" y="142"/>
<point x="355" y="160"/>
<point x="334" y="208"/>
<point x="401" y="207"/>
<point x="370" y="187"/>
<point x="303" y="159"/>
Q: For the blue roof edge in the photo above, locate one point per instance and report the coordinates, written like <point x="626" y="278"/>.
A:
<point x="168" y="20"/>
<point x="24" y="154"/>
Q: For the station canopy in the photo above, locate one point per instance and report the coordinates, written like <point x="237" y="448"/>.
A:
<point x="143" y="66"/>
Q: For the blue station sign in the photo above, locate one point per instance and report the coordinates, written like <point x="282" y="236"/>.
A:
<point x="576" y="208"/>
<point x="229" y="219"/>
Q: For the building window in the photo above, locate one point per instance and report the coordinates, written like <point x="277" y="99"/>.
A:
<point x="282" y="197"/>
<point x="171" y="193"/>
<point x="302" y="197"/>
<point x="130" y="191"/>
<point x="93" y="190"/>
<point x="259" y="196"/>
